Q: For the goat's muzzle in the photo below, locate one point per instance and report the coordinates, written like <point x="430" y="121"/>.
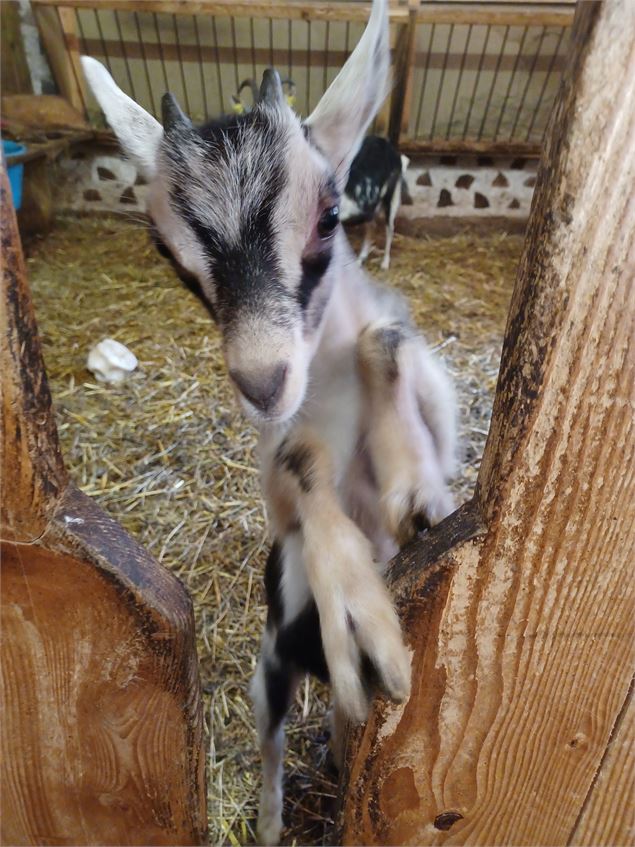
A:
<point x="262" y="387"/>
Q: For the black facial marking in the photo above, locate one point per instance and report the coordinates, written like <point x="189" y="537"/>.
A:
<point x="188" y="279"/>
<point x="313" y="269"/>
<point x="298" y="460"/>
<point x="247" y="271"/>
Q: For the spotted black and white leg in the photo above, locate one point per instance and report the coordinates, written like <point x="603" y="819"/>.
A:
<point x="391" y="207"/>
<point x="272" y="690"/>
<point x="411" y="437"/>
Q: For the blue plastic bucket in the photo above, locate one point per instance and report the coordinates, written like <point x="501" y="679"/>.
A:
<point x="16" y="172"/>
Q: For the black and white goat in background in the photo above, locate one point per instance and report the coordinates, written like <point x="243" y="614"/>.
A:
<point x="375" y="181"/>
<point x="356" y="417"/>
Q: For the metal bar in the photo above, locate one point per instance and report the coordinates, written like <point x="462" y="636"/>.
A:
<point x="545" y="83"/>
<point x="180" y="55"/>
<point x="289" y="49"/>
<point x="102" y="39"/>
<point x="82" y="36"/>
<point x="511" y="82"/>
<point x="458" y="82"/>
<point x="125" y="56"/>
<point x="235" y="53"/>
<point x="528" y="83"/>
<point x="308" y="69"/>
<point x="445" y="64"/>
<point x="197" y="36"/>
<point x="477" y="79"/>
<point x="145" y="65"/>
<point x="160" y="45"/>
<point x="253" y="50"/>
<point x="271" y="62"/>
<point x="424" y="81"/>
<point x="221" y="99"/>
<point x="501" y="53"/>
<point x="326" y="56"/>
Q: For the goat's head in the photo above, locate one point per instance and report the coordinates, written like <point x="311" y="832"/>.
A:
<point x="247" y="207"/>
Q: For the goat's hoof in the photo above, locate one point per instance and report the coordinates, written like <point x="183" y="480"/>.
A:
<point x="269" y="827"/>
<point x="385" y="264"/>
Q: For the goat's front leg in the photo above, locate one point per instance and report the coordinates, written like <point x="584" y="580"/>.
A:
<point x="411" y="427"/>
<point x="360" y="630"/>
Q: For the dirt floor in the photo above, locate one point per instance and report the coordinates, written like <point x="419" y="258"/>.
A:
<point x="169" y="456"/>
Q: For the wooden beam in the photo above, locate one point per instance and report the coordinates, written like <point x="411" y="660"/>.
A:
<point x="16" y="77"/>
<point x="520" y="609"/>
<point x="59" y="39"/>
<point x="319" y="11"/>
<point x="101" y="735"/>
<point x="439" y="13"/>
<point x="404" y="73"/>
<point x="468" y="146"/>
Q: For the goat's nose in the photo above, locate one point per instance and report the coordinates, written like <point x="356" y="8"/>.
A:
<point x="262" y="387"/>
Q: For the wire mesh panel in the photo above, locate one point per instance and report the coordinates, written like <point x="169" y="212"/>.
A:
<point x="484" y="83"/>
<point x="204" y="60"/>
<point x="467" y="75"/>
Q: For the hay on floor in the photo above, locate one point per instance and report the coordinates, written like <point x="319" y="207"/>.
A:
<point x="169" y="456"/>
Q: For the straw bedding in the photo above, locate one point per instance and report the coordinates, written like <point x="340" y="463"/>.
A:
<point x="170" y="457"/>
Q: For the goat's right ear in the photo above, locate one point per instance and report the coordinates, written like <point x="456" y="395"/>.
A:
<point x="138" y="132"/>
<point x="340" y="119"/>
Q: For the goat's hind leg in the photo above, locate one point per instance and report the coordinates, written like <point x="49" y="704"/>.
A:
<point x="411" y="438"/>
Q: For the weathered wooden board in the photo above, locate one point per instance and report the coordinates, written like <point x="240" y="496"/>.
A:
<point x="608" y="819"/>
<point x="102" y="730"/>
<point x="523" y="631"/>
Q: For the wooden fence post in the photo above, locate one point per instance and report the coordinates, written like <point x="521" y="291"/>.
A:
<point x="404" y="73"/>
<point x="58" y="31"/>
<point x="102" y="730"/>
<point x="519" y="609"/>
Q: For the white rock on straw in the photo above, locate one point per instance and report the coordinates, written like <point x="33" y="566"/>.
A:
<point x="111" y="361"/>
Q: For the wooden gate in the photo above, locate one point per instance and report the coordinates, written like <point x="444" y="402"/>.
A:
<point x="102" y="728"/>
<point x="520" y="607"/>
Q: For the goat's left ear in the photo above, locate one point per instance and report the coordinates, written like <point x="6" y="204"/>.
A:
<point x="340" y="119"/>
<point x="138" y="132"/>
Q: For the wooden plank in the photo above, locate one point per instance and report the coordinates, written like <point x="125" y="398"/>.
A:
<point x="404" y="72"/>
<point x="345" y="11"/>
<point x="439" y="13"/>
<point x="41" y="113"/>
<point x="31" y="460"/>
<point x="62" y="50"/>
<point x="523" y="637"/>
<point x="608" y="817"/>
<point x="102" y="729"/>
<point x="16" y="77"/>
<point x="469" y="146"/>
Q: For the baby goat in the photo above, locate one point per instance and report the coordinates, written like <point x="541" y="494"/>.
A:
<point x="375" y="179"/>
<point x="356" y="418"/>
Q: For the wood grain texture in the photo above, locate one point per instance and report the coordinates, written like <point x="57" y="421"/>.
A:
<point x="523" y="635"/>
<point x="32" y="472"/>
<point x="56" y="27"/>
<point x="102" y="729"/>
<point x="608" y="819"/>
<point x="437" y="13"/>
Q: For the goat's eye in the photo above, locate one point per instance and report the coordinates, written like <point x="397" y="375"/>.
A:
<point x="329" y="219"/>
